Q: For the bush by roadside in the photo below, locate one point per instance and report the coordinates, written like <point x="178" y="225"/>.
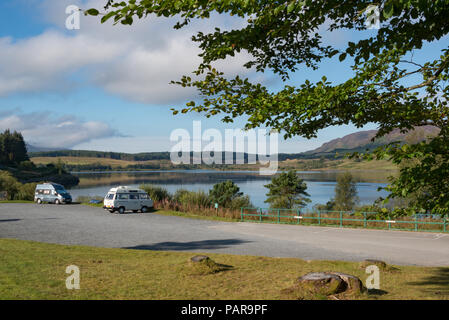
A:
<point x="198" y="202"/>
<point x="14" y="189"/>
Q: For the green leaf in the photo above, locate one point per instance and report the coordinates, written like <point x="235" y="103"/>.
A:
<point x="388" y="10"/>
<point x="92" y="12"/>
<point x="107" y="16"/>
<point x="291" y="6"/>
<point x="278" y="9"/>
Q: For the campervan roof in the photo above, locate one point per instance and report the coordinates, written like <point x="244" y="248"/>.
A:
<point x="122" y="189"/>
<point x="49" y="185"/>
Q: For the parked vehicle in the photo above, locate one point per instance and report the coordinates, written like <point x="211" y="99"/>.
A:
<point x="124" y="198"/>
<point x="51" y="193"/>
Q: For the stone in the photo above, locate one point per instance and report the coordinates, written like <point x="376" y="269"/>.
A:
<point x="353" y="283"/>
<point x="367" y="262"/>
<point x="202" y="265"/>
<point x="321" y="283"/>
<point x="199" y="258"/>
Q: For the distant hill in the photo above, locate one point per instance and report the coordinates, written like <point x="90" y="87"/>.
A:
<point x="33" y="148"/>
<point x="362" y="140"/>
<point x="354" y="142"/>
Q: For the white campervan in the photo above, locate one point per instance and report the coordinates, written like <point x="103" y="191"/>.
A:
<point x="125" y="198"/>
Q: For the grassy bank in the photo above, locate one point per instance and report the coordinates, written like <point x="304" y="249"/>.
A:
<point x="92" y="164"/>
<point x="32" y="270"/>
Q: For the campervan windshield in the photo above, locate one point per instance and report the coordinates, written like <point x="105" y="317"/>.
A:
<point x="60" y="189"/>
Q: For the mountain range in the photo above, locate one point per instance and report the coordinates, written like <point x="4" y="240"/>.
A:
<point x="363" y="140"/>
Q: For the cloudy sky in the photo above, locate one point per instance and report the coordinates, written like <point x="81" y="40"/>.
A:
<point x="106" y="87"/>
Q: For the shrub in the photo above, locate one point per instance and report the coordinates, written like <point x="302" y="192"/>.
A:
<point x="26" y="192"/>
<point x="198" y="199"/>
<point x="224" y="193"/>
<point x="9" y="184"/>
<point x="240" y="202"/>
<point x="179" y="195"/>
<point x="287" y="191"/>
<point x="16" y="190"/>
<point x="157" y="194"/>
<point x="345" y="193"/>
<point x="27" y="165"/>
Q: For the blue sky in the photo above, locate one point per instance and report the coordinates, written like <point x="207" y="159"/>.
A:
<point x="106" y="88"/>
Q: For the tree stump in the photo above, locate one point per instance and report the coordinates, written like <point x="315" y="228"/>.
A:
<point x="367" y="262"/>
<point x="322" y="283"/>
<point x="199" y="258"/>
<point x="316" y="284"/>
<point x="202" y="265"/>
<point x="353" y="283"/>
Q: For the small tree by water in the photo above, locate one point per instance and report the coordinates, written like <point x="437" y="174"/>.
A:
<point x="287" y="191"/>
<point x="345" y="193"/>
<point x="227" y="194"/>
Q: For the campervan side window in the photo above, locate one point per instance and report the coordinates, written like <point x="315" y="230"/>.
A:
<point x="133" y="196"/>
<point x="123" y="196"/>
<point x="143" y="196"/>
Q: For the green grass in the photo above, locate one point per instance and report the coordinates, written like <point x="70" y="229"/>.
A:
<point x="16" y="201"/>
<point x="96" y="205"/>
<point x="32" y="270"/>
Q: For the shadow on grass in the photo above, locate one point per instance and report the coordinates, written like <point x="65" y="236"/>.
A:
<point x="438" y="281"/>
<point x="192" y="245"/>
<point x="376" y="292"/>
<point x="9" y="220"/>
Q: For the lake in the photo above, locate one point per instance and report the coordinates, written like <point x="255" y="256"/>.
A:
<point x="320" y="184"/>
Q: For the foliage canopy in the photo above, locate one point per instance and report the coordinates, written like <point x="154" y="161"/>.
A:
<point x="387" y="87"/>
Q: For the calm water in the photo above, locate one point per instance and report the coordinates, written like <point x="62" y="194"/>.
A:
<point x="320" y="185"/>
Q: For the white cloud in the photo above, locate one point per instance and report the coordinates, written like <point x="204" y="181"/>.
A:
<point x="41" y="129"/>
<point x="136" y="62"/>
<point x="42" y="62"/>
<point x="128" y="144"/>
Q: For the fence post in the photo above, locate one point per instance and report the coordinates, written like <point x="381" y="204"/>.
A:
<point x="319" y="217"/>
<point x="260" y="214"/>
<point x="444" y="224"/>
<point x="279" y="215"/>
<point x="297" y="214"/>
<point x="241" y="214"/>
<point x="364" y="219"/>
<point x="416" y="223"/>
<point x="341" y="219"/>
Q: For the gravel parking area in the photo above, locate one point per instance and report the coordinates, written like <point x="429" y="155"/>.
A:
<point x="84" y="225"/>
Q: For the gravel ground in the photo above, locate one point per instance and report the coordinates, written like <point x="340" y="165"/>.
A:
<point x="84" y="225"/>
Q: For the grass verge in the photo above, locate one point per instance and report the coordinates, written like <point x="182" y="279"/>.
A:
<point x="192" y="215"/>
<point x="16" y="201"/>
<point x="33" y="270"/>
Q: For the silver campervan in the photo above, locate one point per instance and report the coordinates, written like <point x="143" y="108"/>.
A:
<point x="124" y="198"/>
<point x="51" y="193"/>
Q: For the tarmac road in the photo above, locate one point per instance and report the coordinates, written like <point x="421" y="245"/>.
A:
<point x="84" y="225"/>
